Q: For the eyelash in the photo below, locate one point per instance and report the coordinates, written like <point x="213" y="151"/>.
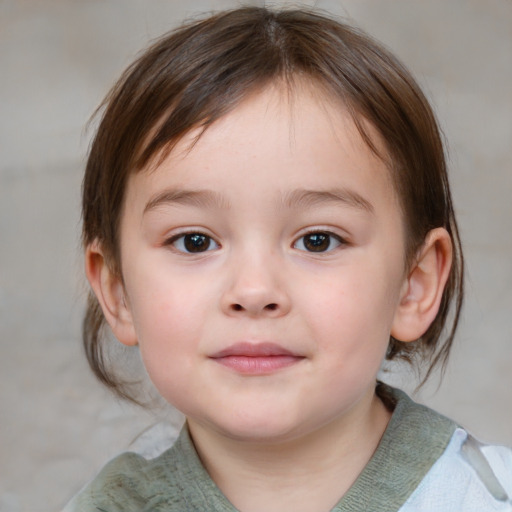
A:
<point x="179" y="242"/>
<point x="181" y="237"/>
<point x="328" y="235"/>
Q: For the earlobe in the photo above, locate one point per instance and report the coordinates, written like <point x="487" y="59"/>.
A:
<point x="423" y="289"/>
<point x="109" y="290"/>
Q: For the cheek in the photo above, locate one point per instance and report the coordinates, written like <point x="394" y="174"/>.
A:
<point x="352" y="309"/>
<point x="165" y="318"/>
<point x="169" y="337"/>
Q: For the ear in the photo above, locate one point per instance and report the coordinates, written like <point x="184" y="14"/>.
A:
<point x="423" y="289"/>
<point x="109" y="290"/>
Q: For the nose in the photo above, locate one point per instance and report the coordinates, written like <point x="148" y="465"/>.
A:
<point x="256" y="289"/>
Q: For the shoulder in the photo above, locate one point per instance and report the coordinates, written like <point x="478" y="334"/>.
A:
<point x="130" y="481"/>
<point x="439" y="466"/>
<point x="173" y="481"/>
<point x="124" y="484"/>
<point x="468" y="476"/>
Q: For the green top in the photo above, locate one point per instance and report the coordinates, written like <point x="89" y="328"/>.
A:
<point x="176" y="481"/>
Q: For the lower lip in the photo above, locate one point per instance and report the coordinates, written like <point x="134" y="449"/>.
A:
<point x="258" y="365"/>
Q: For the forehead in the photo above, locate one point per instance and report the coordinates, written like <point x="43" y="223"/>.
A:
<point x="279" y="138"/>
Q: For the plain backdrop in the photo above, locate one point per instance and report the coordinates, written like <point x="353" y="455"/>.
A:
<point x="57" y="60"/>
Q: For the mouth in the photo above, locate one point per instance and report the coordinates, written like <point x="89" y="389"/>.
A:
<point x="256" y="358"/>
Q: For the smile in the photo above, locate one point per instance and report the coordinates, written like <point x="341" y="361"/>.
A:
<point x="256" y="359"/>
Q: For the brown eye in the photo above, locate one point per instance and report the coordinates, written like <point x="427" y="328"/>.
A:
<point x="318" y="241"/>
<point x="194" y="243"/>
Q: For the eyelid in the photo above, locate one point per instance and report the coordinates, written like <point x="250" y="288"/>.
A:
<point x="321" y="229"/>
<point x="342" y="241"/>
<point x="171" y="240"/>
<point x="187" y="230"/>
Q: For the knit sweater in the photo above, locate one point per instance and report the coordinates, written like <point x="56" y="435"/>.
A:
<point x="424" y="462"/>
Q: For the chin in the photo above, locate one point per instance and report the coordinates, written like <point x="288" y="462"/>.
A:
<point x="259" y="430"/>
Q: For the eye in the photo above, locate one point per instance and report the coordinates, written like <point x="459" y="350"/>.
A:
<point x="193" y="243"/>
<point x="318" y="241"/>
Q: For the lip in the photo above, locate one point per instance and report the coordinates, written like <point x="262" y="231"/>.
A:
<point x="256" y="358"/>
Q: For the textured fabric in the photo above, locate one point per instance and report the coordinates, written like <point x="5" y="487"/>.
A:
<point x="423" y="463"/>
<point x="456" y="482"/>
<point x="399" y="465"/>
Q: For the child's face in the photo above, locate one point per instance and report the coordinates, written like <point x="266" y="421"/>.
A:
<point x="263" y="269"/>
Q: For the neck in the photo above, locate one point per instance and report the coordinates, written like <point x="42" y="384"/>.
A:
<point x="309" y="473"/>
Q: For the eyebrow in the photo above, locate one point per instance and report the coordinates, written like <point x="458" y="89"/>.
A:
<point x="299" y="198"/>
<point x="198" y="198"/>
<point x="309" y="198"/>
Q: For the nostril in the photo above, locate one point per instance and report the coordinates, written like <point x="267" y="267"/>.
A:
<point x="269" y="307"/>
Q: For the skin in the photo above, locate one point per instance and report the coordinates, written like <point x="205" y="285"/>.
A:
<point x="293" y="429"/>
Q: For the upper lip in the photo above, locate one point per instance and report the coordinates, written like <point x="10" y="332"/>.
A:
<point x="248" y="349"/>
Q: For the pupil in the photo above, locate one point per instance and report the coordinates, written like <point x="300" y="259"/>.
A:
<point x="317" y="242"/>
<point x="196" y="242"/>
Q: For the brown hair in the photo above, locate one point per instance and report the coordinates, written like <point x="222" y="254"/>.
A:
<point x="201" y="71"/>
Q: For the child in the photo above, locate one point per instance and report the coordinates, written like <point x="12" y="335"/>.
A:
<point x="267" y="216"/>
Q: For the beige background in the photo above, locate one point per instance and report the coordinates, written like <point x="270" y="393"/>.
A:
<point x="57" y="60"/>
